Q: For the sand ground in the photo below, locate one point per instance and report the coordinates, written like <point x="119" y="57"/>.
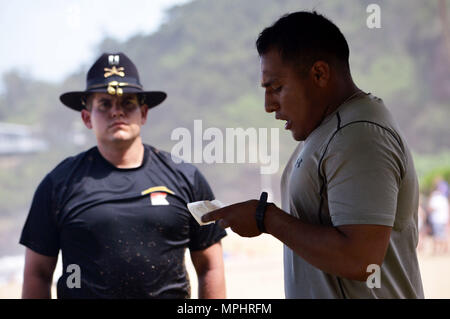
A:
<point x="254" y="269"/>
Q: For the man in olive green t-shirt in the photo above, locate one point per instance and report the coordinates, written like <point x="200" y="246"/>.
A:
<point x="350" y="194"/>
<point x="359" y="157"/>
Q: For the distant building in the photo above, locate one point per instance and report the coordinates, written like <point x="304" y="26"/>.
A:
<point x="18" y="139"/>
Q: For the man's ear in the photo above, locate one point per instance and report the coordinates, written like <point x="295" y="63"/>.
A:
<point x="86" y="117"/>
<point x="144" y="112"/>
<point x="320" y="72"/>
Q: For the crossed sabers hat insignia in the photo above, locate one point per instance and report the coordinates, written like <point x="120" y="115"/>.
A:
<point x="114" y="71"/>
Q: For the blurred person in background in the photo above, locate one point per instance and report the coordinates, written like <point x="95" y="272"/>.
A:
<point x="118" y="210"/>
<point x="350" y="198"/>
<point x="422" y="225"/>
<point x="438" y="207"/>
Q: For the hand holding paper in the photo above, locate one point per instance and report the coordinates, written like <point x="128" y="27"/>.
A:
<point x="200" y="208"/>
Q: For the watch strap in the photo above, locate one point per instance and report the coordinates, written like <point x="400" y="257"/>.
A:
<point x="261" y="212"/>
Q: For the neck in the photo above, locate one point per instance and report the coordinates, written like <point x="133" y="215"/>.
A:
<point x="123" y="155"/>
<point x="345" y="91"/>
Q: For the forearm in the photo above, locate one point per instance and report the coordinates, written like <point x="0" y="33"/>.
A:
<point x="324" y="247"/>
<point x="36" y="288"/>
<point x="211" y="284"/>
<point x="209" y="266"/>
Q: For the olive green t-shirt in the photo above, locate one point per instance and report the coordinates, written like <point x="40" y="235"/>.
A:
<point x="355" y="168"/>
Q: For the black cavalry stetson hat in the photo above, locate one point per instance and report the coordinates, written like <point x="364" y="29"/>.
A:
<point x="115" y="74"/>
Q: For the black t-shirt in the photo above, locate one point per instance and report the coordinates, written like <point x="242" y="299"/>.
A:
<point x="127" y="229"/>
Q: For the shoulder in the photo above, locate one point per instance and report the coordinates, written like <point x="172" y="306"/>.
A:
<point x="365" y="134"/>
<point x="368" y="141"/>
<point x="366" y="147"/>
<point x="366" y="124"/>
<point x="57" y="178"/>
<point x="68" y="165"/>
<point x="367" y="108"/>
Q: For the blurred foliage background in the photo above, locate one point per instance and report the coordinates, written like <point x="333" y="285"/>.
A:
<point x="204" y="57"/>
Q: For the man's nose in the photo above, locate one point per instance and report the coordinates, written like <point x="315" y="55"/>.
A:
<point x="117" y="110"/>
<point x="270" y="104"/>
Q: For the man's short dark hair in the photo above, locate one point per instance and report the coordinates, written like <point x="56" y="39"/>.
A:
<point x="303" y="38"/>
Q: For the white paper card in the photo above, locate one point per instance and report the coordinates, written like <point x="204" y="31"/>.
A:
<point x="198" y="209"/>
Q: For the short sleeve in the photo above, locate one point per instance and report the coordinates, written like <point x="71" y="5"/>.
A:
<point x="201" y="237"/>
<point x="202" y="190"/>
<point x="40" y="232"/>
<point x="364" y="166"/>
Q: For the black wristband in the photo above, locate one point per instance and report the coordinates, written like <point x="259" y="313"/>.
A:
<point x="261" y="212"/>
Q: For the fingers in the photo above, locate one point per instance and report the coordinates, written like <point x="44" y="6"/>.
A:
<point x="217" y="215"/>
<point x="213" y="216"/>
<point x="223" y="223"/>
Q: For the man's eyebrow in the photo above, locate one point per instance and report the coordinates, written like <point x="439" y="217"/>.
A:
<point x="104" y="99"/>
<point x="267" y="83"/>
<point x="130" y="97"/>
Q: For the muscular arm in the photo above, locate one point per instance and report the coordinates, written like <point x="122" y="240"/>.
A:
<point x="345" y="251"/>
<point x="209" y="266"/>
<point x="38" y="274"/>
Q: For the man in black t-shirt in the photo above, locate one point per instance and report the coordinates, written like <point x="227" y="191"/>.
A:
<point x="118" y="211"/>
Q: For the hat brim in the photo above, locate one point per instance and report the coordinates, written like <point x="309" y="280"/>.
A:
<point x="73" y="100"/>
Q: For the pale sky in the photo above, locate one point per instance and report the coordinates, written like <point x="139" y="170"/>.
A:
<point x="50" y="39"/>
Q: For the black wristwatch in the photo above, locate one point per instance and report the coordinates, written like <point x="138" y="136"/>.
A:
<point x="261" y="212"/>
